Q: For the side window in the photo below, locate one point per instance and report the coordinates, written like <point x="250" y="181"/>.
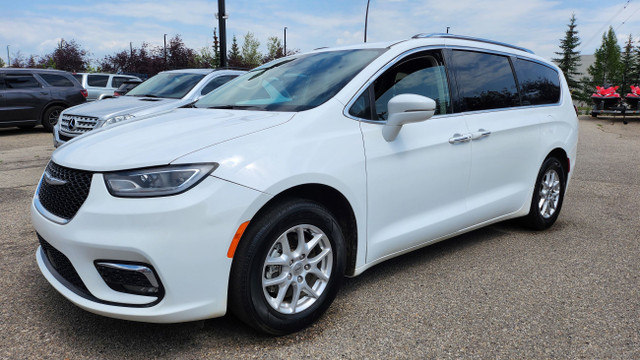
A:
<point x="361" y="108"/>
<point x="485" y="81"/>
<point x="56" y="80"/>
<point x="97" y="80"/>
<point x="216" y="83"/>
<point x="422" y="74"/>
<point x="118" y="80"/>
<point x="539" y="84"/>
<point x="78" y="77"/>
<point x="21" y="81"/>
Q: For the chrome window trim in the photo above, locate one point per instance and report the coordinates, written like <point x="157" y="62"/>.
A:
<point x="400" y="56"/>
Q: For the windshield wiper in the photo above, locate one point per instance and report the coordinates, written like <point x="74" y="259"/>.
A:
<point x="147" y="95"/>
<point x="236" y="107"/>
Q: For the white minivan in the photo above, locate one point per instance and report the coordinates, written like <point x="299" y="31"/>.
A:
<point x="264" y="194"/>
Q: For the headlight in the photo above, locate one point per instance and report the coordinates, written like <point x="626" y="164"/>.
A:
<point x="160" y="181"/>
<point x="116" y="119"/>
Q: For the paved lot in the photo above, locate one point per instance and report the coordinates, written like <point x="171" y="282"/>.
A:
<point x="500" y="292"/>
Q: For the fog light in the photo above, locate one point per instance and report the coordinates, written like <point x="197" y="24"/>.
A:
<point x="132" y="278"/>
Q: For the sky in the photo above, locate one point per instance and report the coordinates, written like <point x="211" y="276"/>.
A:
<point x="35" y="27"/>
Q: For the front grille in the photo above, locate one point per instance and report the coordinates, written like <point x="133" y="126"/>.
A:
<point x="66" y="193"/>
<point x="62" y="265"/>
<point x="77" y="124"/>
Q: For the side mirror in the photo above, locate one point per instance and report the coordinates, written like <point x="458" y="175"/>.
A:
<point x="405" y="109"/>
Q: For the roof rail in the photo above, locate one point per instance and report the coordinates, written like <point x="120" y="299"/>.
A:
<point x="471" y="38"/>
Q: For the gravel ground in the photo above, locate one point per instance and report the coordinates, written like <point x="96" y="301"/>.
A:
<point x="500" y="292"/>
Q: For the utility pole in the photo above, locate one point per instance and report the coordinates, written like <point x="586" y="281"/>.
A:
<point x="165" y="51"/>
<point x="285" y="41"/>
<point x="222" y="18"/>
<point x="366" y="20"/>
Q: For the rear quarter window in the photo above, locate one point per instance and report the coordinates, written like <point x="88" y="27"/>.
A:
<point x="97" y="80"/>
<point x="57" y="80"/>
<point x="485" y="81"/>
<point x="118" y="80"/>
<point x="539" y="84"/>
<point x="21" y="81"/>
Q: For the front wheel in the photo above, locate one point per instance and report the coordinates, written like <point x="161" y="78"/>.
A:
<point x="547" y="195"/>
<point x="50" y="117"/>
<point x="287" y="268"/>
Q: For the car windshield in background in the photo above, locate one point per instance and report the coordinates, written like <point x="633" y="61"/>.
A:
<point x="291" y="84"/>
<point x="169" y="85"/>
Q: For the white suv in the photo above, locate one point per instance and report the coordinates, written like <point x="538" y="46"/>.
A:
<point x="309" y="168"/>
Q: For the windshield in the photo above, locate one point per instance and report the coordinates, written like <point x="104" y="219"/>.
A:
<point x="291" y="84"/>
<point x="167" y="85"/>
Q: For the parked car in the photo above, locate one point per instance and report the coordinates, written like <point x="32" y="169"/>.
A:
<point x="30" y="97"/>
<point x="100" y="85"/>
<point x="163" y="92"/>
<point x="315" y="166"/>
<point x="126" y="87"/>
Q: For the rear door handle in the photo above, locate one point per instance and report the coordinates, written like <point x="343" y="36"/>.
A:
<point x="459" y="138"/>
<point x="481" y="133"/>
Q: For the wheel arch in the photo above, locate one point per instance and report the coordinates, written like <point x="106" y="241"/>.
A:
<point x="563" y="157"/>
<point x="48" y="106"/>
<point x="336" y="203"/>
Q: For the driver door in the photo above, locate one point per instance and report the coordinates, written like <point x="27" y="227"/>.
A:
<point x="416" y="184"/>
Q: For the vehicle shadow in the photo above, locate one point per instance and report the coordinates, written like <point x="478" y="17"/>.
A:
<point x="13" y="131"/>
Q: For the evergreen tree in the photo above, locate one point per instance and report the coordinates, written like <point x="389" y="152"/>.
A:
<point x="569" y="59"/>
<point x="635" y="69"/>
<point x="251" y="57"/>
<point x="233" y="57"/>
<point x="2" y="63"/>
<point x="626" y="67"/>
<point x="606" y="68"/>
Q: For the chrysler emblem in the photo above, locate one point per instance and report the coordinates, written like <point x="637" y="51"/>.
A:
<point x="49" y="179"/>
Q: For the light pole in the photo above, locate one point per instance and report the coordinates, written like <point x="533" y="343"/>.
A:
<point x="366" y="20"/>
<point x="222" y="16"/>
<point x="285" y="41"/>
<point x="165" y="51"/>
<point x="8" y="58"/>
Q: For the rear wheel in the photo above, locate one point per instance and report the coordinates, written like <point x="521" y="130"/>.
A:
<point x="547" y="195"/>
<point x="50" y="117"/>
<point x="288" y="267"/>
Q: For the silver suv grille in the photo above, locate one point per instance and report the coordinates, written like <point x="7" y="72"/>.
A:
<point x="76" y="124"/>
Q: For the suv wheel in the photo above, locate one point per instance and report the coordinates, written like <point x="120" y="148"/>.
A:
<point x="287" y="268"/>
<point x="50" y="117"/>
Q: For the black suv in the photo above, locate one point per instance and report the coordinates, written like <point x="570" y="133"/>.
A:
<point x="30" y="97"/>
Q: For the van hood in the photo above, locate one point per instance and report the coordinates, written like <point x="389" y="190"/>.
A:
<point x="125" y="105"/>
<point x="159" y="140"/>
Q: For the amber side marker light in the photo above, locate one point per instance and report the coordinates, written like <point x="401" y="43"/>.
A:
<point x="236" y="239"/>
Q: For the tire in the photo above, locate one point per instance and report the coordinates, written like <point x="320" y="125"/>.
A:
<point x="50" y="117"/>
<point x="594" y="114"/>
<point x="548" y="195"/>
<point x="277" y="298"/>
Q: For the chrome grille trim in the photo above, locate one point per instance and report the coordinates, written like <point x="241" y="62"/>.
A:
<point x="82" y="124"/>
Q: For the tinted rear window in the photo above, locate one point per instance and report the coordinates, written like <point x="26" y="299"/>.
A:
<point x="21" y="81"/>
<point x="57" y="80"/>
<point x="485" y="81"/>
<point x="97" y="80"/>
<point x="539" y="84"/>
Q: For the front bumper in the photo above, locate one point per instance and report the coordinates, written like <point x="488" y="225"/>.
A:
<point x="185" y="238"/>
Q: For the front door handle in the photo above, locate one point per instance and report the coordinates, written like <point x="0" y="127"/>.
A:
<point x="459" y="138"/>
<point x="481" y="133"/>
